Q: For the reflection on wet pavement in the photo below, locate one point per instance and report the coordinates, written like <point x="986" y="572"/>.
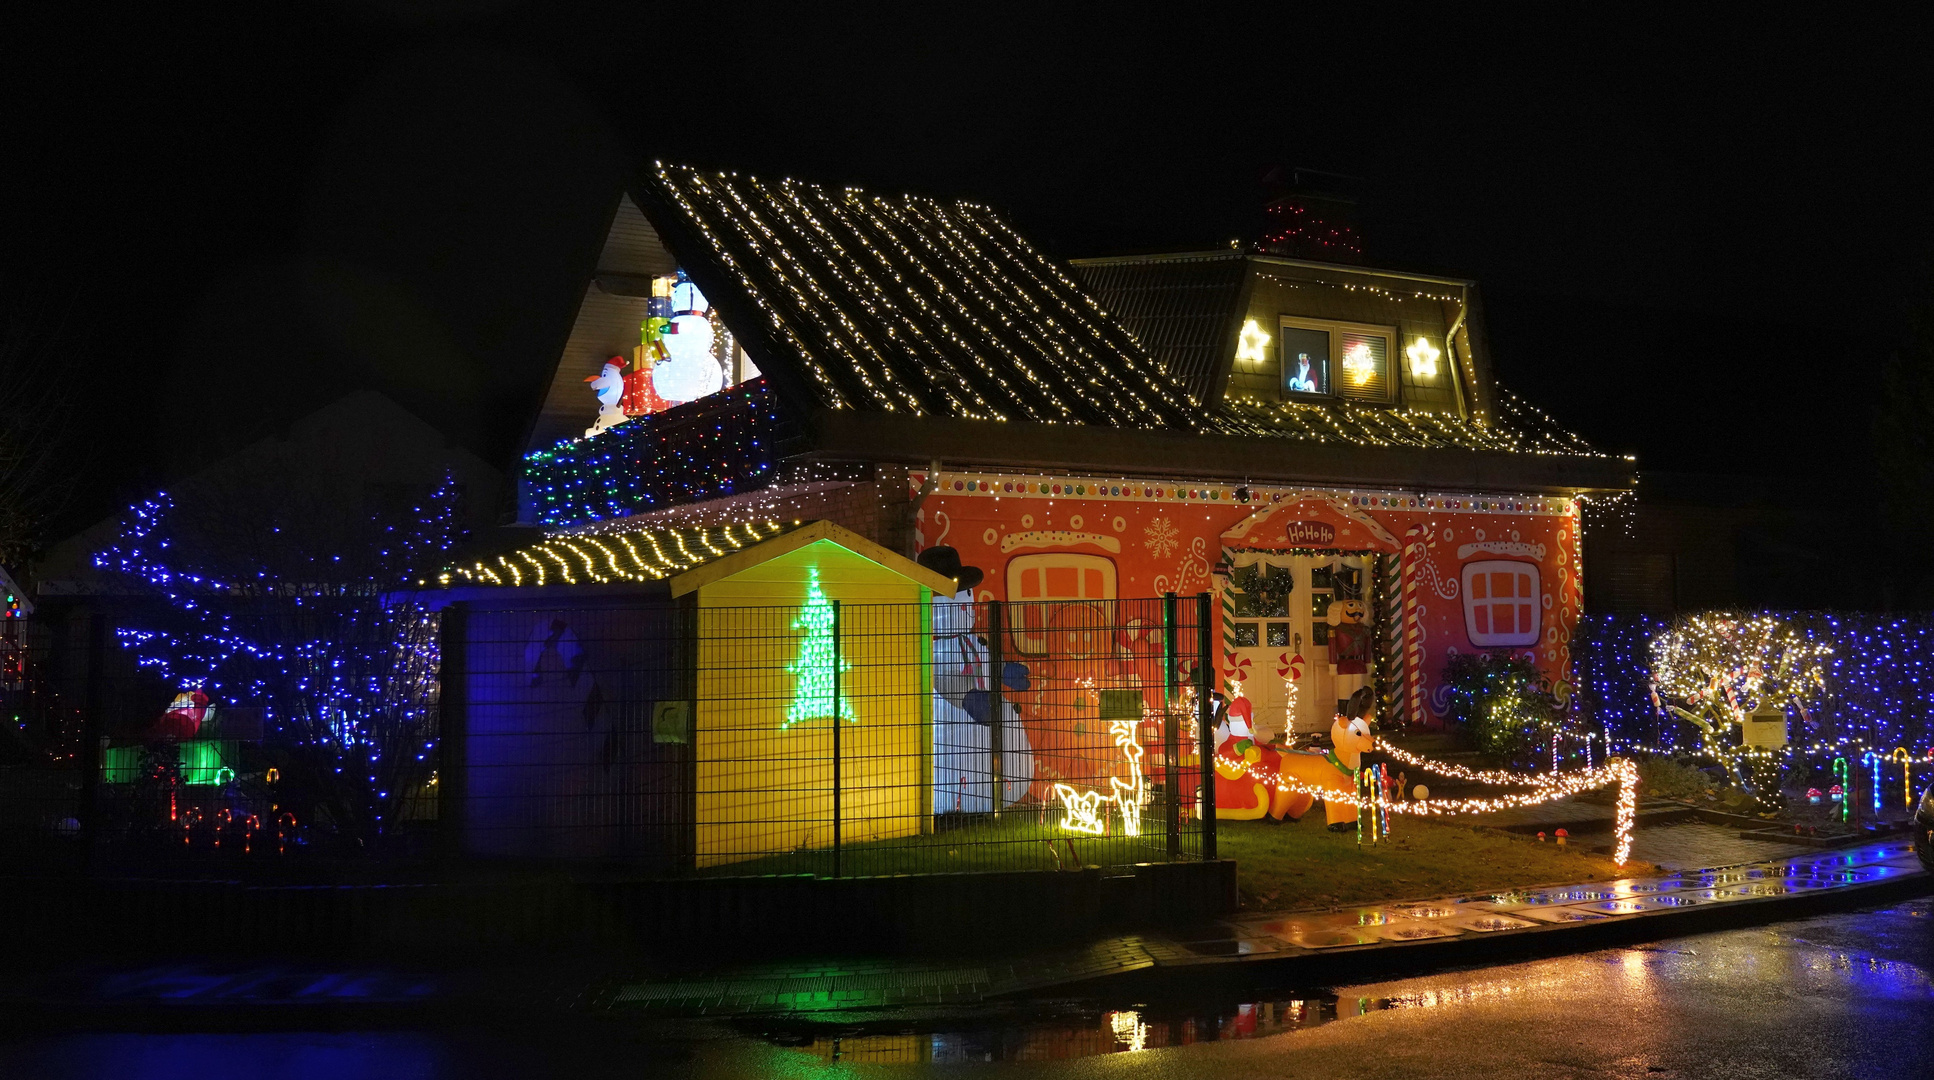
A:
<point x="1783" y="963"/>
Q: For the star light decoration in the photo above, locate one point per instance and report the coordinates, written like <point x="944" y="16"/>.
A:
<point x="1251" y="344"/>
<point x="1423" y="359"/>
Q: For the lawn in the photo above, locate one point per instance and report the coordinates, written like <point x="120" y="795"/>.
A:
<point x="1018" y="841"/>
<point x="1303" y="864"/>
<point x="1292" y="865"/>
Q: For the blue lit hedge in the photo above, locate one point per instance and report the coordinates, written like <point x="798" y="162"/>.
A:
<point x="716" y="446"/>
<point x="1880" y="680"/>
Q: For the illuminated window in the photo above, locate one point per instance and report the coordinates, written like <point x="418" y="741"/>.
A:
<point x="1501" y="603"/>
<point x="1333" y="359"/>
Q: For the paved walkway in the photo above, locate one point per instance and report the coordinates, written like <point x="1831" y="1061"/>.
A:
<point x="797" y="988"/>
<point x="1689" y="845"/>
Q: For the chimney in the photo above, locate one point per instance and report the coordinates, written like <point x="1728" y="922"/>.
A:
<point x="1310" y="214"/>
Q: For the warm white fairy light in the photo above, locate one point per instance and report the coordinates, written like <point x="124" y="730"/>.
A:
<point x="1545" y="787"/>
<point x="917" y="306"/>
<point x="613" y="555"/>
<point x="1085" y="811"/>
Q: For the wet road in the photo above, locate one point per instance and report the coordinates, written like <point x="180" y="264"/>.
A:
<point x="1839" y="996"/>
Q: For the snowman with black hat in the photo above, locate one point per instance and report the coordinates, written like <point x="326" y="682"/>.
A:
<point x="963" y="705"/>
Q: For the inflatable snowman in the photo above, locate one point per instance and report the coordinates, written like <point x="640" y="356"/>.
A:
<point x="609" y="385"/>
<point x="691" y="372"/>
<point x="962" y="706"/>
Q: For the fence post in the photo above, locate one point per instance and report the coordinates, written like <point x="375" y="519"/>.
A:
<point x="92" y="728"/>
<point x="1205" y="720"/>
<point x="996" y="704"/>
<point x="1171" y="733"/>
<point x="838" y="654"/>
<point x="452" y="748"/>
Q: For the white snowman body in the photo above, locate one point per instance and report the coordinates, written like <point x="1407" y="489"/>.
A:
<point x="692" y="371"/>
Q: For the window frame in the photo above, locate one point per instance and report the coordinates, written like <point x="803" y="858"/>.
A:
<point x="1335" y="328"/>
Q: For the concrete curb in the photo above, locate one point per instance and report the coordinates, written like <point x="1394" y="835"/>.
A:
<point x="1388" y="959"/>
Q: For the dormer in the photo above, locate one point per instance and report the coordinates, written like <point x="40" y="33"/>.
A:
<point x="1259" y="332"/>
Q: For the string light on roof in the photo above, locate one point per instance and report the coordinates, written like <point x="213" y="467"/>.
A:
<point x="672" y="551"/>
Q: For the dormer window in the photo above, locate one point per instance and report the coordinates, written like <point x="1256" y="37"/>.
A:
<point x="1326" y="359"/>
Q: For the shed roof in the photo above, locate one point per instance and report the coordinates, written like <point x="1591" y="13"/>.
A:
<point x="686" y="559"/>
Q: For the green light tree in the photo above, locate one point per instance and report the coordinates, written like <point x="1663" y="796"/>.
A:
<point x="819" y="662"/>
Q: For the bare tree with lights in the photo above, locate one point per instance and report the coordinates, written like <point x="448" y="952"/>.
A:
<point x="1713" y="670"/>
<point x="290" y="585"/>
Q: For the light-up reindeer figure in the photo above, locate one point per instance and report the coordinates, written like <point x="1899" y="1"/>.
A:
<point x="1085" y="811"/>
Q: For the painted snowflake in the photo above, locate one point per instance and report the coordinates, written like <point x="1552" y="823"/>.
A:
<point x="1160" y="537"/>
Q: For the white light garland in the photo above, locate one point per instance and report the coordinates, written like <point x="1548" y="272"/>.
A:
<point x="1546" y="787"/>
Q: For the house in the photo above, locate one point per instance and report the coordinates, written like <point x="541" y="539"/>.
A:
<point x="1320" y="446"/>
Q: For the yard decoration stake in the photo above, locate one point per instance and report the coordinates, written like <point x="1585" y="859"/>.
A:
<point x="815" y="671"/>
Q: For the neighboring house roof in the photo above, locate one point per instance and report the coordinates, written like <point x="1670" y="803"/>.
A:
<point x="685" y="559"/>
<point x="904" y="304"/>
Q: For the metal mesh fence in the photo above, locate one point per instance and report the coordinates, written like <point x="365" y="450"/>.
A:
<point x="829" y="738"/>
<point x="660" y="737"/>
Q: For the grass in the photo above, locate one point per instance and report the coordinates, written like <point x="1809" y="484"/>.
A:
<point x="1292" y="865"/>
<point x="1018" y="841"/>
<point x="1303" y="864"/>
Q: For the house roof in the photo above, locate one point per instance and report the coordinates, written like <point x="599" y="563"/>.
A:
<point x="902" y="328"/>
<point x="1518" y="427"/>
<point x="1179" y="309"/>
<point x="685" y="559"/>
<point x="904" y="304"/>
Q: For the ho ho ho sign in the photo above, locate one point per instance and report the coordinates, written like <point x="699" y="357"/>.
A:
<point x="1309" y="534"/>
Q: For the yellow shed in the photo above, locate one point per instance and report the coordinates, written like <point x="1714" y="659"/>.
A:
<point x="719" y="660"/>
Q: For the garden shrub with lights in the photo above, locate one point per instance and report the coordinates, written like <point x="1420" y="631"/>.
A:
<point x="286" y="591"/>
<point x="1501" y="703"/>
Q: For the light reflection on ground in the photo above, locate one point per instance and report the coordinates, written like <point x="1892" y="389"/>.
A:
<point x="1841" y="995"/>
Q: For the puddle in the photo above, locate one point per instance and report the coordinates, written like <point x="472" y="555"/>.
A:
<point x="1081" y="1032"/>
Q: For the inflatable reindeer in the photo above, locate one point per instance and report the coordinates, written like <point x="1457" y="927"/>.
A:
<point x="1332" y="774"/>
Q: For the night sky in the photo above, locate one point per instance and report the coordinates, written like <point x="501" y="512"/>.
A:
<point x="1696" y="241"/>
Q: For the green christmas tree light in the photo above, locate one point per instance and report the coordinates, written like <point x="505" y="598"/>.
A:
<point x="818" y="663"/>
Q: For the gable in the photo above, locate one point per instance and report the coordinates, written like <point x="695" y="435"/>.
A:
<point x="606" y="325"/>
<point x="1319" y="522"/>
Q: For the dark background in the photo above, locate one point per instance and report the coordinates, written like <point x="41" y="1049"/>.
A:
<point x="1696" y="240"/>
